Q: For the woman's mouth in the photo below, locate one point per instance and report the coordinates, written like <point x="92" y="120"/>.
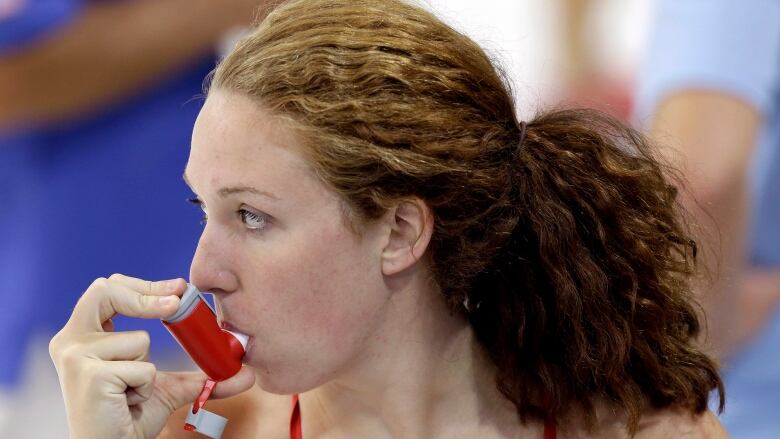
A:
<point x="227" y="326"/>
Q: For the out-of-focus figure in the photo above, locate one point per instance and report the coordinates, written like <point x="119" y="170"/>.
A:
<point x="97" y="103"/>
<point x="710" y="90"/>
<point x="598" y="66"/>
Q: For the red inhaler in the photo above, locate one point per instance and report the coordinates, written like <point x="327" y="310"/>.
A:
<point x="216" y="351"/>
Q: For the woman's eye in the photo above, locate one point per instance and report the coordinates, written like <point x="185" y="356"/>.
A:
<point x="253" y="221"/>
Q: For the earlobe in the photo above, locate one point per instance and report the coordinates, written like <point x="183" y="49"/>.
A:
<point x="411" y="227"/>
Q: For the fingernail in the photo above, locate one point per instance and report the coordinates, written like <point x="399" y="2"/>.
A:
<point x="171" y="284"/>
<point x="167" y="300"/>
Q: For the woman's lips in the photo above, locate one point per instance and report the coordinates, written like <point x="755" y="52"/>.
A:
<point x="228" y="326"/>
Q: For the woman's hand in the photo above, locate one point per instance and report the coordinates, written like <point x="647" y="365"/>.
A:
<point x="110" y="389"/>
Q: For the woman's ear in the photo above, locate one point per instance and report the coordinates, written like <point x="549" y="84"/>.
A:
<point x="411" y="227"/>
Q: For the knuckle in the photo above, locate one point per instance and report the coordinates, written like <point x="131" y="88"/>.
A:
<point x="99" y="283"/>
<point x="69" y="356"/>
<point x="143" y="338"/>
<point x="149" y="370"/>
<point x="63" y="349"/>
<point x="54" y="346"/>
<point x="143" y="301"/>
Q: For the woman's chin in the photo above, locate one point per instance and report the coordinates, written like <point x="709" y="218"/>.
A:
<point x="279" y="384"/>
<point x="268" y="384"/>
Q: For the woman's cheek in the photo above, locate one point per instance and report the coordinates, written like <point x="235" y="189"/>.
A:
<point x="319" y="288"/>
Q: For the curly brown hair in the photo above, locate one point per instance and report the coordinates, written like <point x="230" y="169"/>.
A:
<point x="567" y="250"/>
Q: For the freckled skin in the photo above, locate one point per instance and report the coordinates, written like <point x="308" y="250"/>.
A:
<point x="309" y="291"/>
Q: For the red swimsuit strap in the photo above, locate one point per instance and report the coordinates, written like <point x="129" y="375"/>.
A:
<point x="296" y="431"/>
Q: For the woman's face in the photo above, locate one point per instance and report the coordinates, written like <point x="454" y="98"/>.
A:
<point x="275" y="249"/>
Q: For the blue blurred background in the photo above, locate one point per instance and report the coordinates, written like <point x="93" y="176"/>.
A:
<point x="98" y="99"/>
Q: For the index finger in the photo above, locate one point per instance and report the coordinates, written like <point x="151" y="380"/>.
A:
<point x="106" y="298"/>
<point x="152" y="288"/>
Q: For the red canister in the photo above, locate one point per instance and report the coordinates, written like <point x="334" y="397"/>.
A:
<point x="216" y="351"/>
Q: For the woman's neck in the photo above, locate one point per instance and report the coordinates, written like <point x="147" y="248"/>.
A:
<point x="423" y="375"/>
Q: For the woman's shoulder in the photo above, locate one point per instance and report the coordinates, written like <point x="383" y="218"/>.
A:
<point x="254" y="413"/>
<point x="655" y="424"/>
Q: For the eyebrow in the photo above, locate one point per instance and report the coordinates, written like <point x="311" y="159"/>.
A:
<point x="230" y="190"/>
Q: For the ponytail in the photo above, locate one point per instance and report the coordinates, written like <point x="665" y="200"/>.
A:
<point x="589" y="297"/>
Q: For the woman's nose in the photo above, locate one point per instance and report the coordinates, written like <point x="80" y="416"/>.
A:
<point x="211" y="269"/>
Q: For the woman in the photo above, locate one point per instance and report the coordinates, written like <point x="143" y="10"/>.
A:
<point x="407" y="257"/>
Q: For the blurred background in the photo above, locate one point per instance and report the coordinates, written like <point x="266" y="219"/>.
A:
<point x="98" y="99"/>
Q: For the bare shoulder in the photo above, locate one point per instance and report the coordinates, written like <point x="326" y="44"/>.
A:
<point x="254" y="413"/>
<point x="678" y="423"/>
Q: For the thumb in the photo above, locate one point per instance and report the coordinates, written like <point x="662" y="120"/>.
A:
<point x="181" y="388"/>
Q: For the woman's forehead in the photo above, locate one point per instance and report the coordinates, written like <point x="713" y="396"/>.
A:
<point x="237" y="143"/>
<point x="231" y="122"/>
<point x="235" y="135"/>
